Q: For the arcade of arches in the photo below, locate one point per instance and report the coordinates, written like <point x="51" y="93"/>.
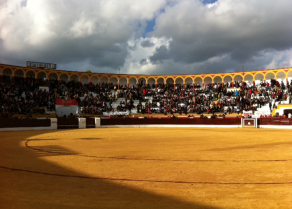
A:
<point x="284" y="74"/>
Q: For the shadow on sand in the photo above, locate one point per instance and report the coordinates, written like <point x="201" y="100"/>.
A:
<point x="25" y="183"/>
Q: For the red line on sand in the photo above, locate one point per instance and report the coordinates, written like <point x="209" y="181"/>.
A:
<point x="144" y="180"/>
<point x="150" y="159"/>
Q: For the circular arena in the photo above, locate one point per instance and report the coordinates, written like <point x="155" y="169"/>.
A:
<point x="146" y="168"/>
<point x="89" y="140"/>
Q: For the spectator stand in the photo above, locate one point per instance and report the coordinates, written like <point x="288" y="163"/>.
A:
<point x="28" y="92"/>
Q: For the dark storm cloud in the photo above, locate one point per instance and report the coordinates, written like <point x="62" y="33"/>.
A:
<point x="188" y="34"/>
<point x="242" y="30"/>
<point x="143" y="61"/>
<point x="160" y="54"/>
<point x="147" y="43"/>
<point x="64" y="50"/>
<point x="92" y="32"/>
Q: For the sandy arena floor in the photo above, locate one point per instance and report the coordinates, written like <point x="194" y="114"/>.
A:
<point x="146" y="168"/>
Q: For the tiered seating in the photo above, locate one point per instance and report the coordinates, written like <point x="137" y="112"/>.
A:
<point x="23" y="96"/>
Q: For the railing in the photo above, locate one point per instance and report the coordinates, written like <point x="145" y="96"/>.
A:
<point x="66" y="123"/>
<point x="276" y="121"/>
<point x="25" y="122"/>
<point x="170" y="121"/>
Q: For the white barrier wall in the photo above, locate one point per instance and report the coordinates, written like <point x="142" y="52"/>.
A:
<point x="54" y="123"/>
<point x="82" y="122"/>
<point x="97" y="122"/>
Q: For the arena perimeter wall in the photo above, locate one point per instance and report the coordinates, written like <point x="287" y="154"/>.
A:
<point x="74" y="123"/>
<point x="26" y="124"/>
<point x="279" y="123"/>
<point x="172" y="122"/>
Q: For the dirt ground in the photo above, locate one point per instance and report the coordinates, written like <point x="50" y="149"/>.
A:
<point x="146" y="168"/>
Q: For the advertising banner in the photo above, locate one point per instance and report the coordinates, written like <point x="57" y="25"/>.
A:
<point x="247" y="113"/>
<point x="116" y="113"/>
<point x="68" y="102"/>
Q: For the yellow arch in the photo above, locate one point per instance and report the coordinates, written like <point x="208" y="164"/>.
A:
<point x="13" y="73"/>
<point x="259" y="73"/>
<point x="52" y="72"/>
<point x="41" y="71"/>
<point x="125" y="78"/>
<point x="177" y="78"/>
<point x="227" y="74"/>
<point x="30" y="70"/>
<point x="238" y="74"/>
<point x="290" y="70"/>
<point x="253" y="77"/>
<point x="85" y="75"/>
<point x="138" y="78"/>
<point x="63" y="73"/>
<point x="171" y="78"/>
<point x="58" y="78"/>
<point x="187" y="78"/>
<point x="219" y="77"/>
<point x="162" y="78"/>
<point x="232" y="78"/>
<point x="70" y="77"/>
<point x="268" y="72"/>
<point x="155" y="81"/>
<point x="135" y="79"/>
<point x="207" y="77"/>
<point x="114" y="76"/>
<point x="279" y="71"/>
<point x="105" y="77"/>
<point x="142" y="77"/>
<point x="203" y="77"/>
<point x="194" y="79"/>
<point x="90" y="78"/>
<point x="2" y="71"/>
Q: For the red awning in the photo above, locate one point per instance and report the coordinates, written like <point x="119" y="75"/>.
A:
<point x="67" y="102"/>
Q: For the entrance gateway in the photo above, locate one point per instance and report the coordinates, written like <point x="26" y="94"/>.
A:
<point x="249" y="122"/>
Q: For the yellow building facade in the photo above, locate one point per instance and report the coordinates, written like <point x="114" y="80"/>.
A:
<point x="283" y="74"/>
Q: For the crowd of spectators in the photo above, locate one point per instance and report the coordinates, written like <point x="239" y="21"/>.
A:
<point x="24" y="96"/>
<point x="218" y="97"/>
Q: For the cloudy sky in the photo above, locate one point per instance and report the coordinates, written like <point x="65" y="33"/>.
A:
<point x="148" y="37"/>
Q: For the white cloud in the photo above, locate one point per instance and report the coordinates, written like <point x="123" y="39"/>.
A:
<point x="282" y="59"/>
<point x="105" y="35"/>
<point x="133" y="62"/>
